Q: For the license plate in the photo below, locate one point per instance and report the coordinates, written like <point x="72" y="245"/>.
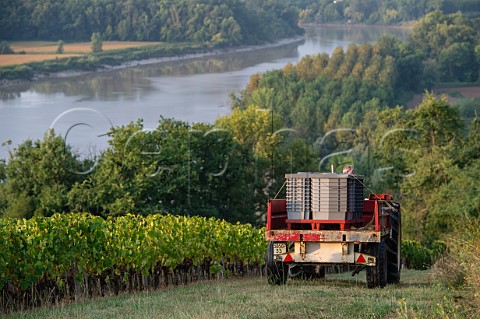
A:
<point x="279" y="248"/>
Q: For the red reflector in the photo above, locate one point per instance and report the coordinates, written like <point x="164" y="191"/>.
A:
<point x="288" y="258"/>
<point x="361" y="259"/>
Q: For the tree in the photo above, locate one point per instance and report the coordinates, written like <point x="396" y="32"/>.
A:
<point x="3" y="169"/>
<point x="60" y="47"/>
<point x="477" y="57"/>
<point x="5" y="48"/>
<point x="417" y="153"/>
<point x="3" y="176"/>
<point x="457" y="63"/>
<point x="38" y="177"/>
<point x="253" y="128"/>
<point x="449" y="41"/>
<point x="97" y="42"/>
<point x="437" y="121"/>
<point x="470" y="150"/>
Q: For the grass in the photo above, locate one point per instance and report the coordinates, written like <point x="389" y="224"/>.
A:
<point x="339" y="296"/>
<point x="37" y="51"/>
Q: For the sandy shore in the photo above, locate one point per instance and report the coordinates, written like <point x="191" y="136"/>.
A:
<point x="216" y="52"/>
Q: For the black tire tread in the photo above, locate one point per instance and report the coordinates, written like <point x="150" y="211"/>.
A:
<point x="393" y="250"/>
<point x="277" y="272"/>
<point x="377" y="275"/>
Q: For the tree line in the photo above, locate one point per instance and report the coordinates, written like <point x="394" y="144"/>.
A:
<point x="228" y="22"/>
<point x="380" y="12"/>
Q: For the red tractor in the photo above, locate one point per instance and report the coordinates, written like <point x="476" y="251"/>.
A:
<point x="326" y="221"/>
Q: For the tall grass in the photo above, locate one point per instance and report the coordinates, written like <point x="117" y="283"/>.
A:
<point x="459" y="269"/>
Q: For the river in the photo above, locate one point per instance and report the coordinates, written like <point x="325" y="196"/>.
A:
<point x="192" y="90"/>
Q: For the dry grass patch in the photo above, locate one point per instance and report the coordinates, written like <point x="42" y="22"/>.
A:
<point x="37" y="51"/>
<point x="12" y="59"/>
<point x="34" y="47"/>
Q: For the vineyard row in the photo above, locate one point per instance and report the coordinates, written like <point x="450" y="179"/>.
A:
<point x="45" y="260"/>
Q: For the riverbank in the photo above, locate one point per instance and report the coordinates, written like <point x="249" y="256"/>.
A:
<point x="106" y="67"/>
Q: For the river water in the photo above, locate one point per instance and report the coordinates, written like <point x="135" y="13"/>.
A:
<point x="83" y="108"/>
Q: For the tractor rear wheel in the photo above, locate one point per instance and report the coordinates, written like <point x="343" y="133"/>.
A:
<point x="394" y="246"/>
<point x="277" y="272"/>
<point x="377" y="275"/>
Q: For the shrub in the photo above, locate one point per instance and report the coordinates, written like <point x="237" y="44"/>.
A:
<point x="415" y="255"/>
<point x="16" y="72"/>
<point x="60" y="49"/>
<point x="5" y="48"/>
<point x="459" y="266"/>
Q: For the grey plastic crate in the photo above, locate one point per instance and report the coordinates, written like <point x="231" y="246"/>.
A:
<point x="298" y="196"/>
<point x="324" y="196"/>
<point x="336" y="196"/>
<point x="329" y="215"/>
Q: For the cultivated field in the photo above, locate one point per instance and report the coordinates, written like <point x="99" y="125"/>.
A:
<point x="459" y="92"/>
<point x="339" y="296"/>
<point x="454" y="93"/>
<point x="36" y="51"/>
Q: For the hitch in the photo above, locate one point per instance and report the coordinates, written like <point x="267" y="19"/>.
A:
<point x="357" y="270"/>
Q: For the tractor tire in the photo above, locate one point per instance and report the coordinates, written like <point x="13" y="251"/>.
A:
<point x="313" y="272"/>
<point x="277" y="272"/>
<point x="394" y="246"/>
<point x="377" y="275"/>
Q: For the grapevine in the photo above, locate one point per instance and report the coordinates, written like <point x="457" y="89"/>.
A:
<point x="70" y="255"/>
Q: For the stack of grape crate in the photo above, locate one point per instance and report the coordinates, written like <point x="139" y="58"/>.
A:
<point x="329" y="196"/>
<point x="355" y="197"/>
<point x="324" y="196"/>
<point x="298" y="196"/>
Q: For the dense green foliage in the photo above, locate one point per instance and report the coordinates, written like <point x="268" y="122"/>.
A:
<point x="45" y="255"/>
<point x="417" y="256"/>
<point x="176" y="168"/>
<point x="226" y="22"/>
<point x="37" y="177"/>
<point x="379" y="12"/>
<point x="449" y="41"/>
<point x="434" y="166"/>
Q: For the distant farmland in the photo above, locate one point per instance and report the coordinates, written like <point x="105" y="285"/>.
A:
<point x="36" y="51"/>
